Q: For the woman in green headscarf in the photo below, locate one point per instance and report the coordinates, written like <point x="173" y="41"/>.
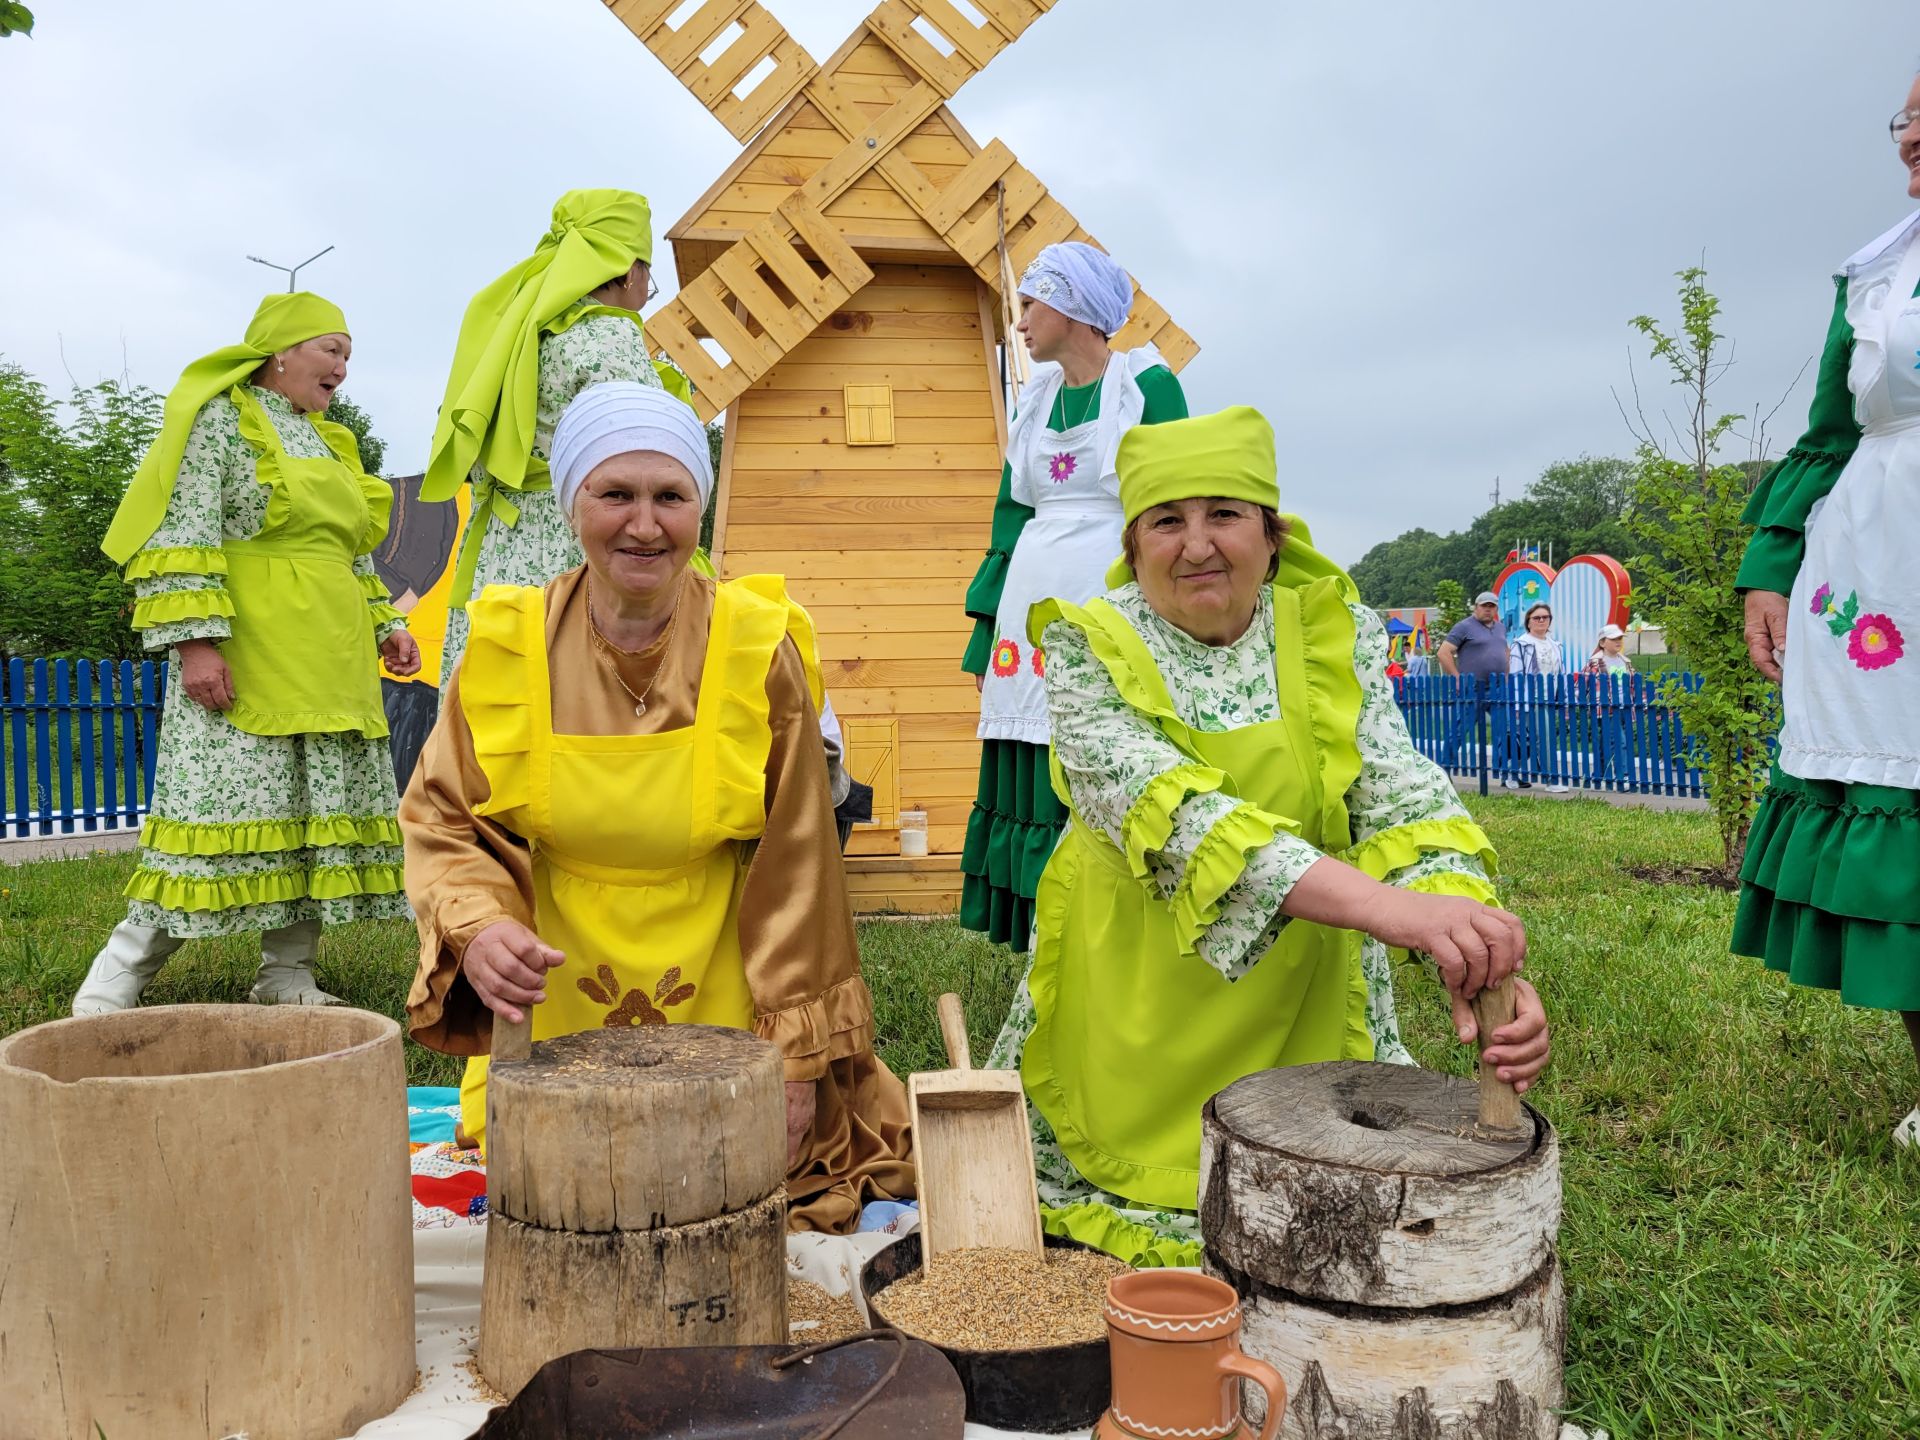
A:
<point x="566" y="317"/>
<point x="247" y="534"/>
<point x="1252" y="828"/>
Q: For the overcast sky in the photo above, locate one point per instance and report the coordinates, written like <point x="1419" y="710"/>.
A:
<point x="1413" y="234"/>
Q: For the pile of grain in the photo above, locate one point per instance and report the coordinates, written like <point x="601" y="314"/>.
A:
<point x="814" y="1316"/>
<point x="1004" y="1299"/>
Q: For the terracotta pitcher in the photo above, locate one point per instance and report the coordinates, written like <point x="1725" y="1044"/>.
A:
<point x="1173" y="1338"/>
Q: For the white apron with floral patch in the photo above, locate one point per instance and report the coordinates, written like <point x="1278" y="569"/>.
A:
<point x="1069" y="479"/>
<point x="1852" y="677"/>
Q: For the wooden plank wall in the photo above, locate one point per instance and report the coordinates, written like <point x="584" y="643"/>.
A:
<point x="879" y="542"/>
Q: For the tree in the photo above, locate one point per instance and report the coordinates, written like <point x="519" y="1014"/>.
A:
<point x="15" y="19"/>
<point x="1449" y="608"/>
<point x="59" y="487"/>
<point x="1686" y="511"/>
<point x="1575" y="507"/>
<point x="373" y="450"/>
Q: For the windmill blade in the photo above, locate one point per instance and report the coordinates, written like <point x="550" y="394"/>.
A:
<point x="757" y="302"/>
<point x="752" y="38"/>
<point x="944" y="46"/>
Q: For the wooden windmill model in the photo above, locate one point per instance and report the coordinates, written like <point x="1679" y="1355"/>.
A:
<point x="843" y="290"/>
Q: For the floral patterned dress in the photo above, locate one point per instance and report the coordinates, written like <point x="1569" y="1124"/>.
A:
<point x="250" y="832"/>
<point x="1109" y="758"/>
<point x="540" y="544"/>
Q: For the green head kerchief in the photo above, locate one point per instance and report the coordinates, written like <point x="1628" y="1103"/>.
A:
<point x="492" y="392"/>
<point x="280" y="322"/>
<point x="1229" y="455"/>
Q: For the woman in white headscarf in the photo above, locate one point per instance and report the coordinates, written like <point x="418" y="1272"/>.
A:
<point x="614" y="749"/>
<point x="1056" y="528"/>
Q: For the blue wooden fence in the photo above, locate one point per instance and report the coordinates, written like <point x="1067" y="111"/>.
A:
<point x="77" y="744"/>
<point x="77" y="737"/>
<point x="1589" y="732"/>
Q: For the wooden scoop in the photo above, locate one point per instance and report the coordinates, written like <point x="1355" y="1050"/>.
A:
<point x="1500" y="1107"/>
<point x="973" y="1151"/>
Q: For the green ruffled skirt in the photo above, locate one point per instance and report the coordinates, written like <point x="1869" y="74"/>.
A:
<point x="1830" y="891"/>
<point x="1016" y="822"/>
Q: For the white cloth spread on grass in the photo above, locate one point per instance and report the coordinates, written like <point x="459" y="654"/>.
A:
<point x="447" y="1265"/>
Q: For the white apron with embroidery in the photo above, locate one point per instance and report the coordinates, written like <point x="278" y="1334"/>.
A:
<point x="1851" y="677"/>
<point x="1068" y="477"/>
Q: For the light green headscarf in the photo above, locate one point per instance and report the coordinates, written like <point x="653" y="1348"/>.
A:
<point x="493" y="390"/>
<point x="1230" y="455"/>
<point x="281" y="321"/>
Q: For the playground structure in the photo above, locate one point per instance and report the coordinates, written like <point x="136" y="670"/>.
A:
<point x="843" y="294"/>
<point x="1587" y="592"/>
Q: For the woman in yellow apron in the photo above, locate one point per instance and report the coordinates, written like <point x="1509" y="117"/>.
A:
<point x="1252" y="828"/>
<point x="247" y="534"/>
<point x="634" y="750"/>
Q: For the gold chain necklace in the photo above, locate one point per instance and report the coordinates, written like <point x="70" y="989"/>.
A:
<point x="608" y="650"/>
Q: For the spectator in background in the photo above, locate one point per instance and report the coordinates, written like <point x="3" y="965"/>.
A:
<point x="1535" y="653"/>
<point x="1615" y="760"/>
<point x="1477" y="646"/>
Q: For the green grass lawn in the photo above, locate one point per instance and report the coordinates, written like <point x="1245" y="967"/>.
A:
<point x="1740" y="1239"/>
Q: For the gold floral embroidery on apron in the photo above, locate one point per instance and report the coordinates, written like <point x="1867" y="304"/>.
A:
<point x="632" y="1007"/>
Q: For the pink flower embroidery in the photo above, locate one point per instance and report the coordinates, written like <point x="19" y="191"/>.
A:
<point x="1875" y="642"/>
<point x="1061" y="467"/>
<point x="1820" y="598"/>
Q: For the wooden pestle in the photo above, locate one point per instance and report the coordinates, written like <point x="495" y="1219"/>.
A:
<point x="512" y="1039"/>
<point x="1500" y="1107"/>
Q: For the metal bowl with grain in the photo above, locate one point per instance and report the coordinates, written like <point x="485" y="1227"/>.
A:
<point x="1048" y="1389"/>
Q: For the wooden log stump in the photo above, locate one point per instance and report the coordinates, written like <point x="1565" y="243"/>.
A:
<point x="206" y="1226"/>
<point x="635" y="1196"/>
<point x="1397" y="1262"/>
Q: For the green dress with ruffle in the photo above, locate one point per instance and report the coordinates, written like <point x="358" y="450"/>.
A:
<point x="1829" y="891"/>
<point x="251" y="831"/>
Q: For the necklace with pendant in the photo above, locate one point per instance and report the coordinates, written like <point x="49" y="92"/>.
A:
<point x="609" y="651"/>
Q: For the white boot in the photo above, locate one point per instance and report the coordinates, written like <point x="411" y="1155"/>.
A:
<point x="124" y="967"/>
<point x="286" y="967"/>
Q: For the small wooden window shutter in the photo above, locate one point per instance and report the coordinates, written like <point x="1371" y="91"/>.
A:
<point x="869" y="414"/>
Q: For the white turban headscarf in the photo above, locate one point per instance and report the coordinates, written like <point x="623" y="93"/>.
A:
<point x="1082" y="283"/>
<point x="619" y="417"/>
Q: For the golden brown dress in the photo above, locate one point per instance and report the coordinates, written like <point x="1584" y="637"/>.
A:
<point x="467" y="870"/>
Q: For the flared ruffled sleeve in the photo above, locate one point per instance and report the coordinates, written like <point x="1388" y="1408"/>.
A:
<point x="1409" y="827"/>
<point x="179" y="575"/>
<point x="796" y="920"/>
<point x="1780" y="503"/>
<point x="465" y="869"/>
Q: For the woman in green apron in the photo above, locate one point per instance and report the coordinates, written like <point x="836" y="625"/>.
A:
<point x="566" y="317"/>
<point x="1252" y="829"/>
<point x="247" y="534"/>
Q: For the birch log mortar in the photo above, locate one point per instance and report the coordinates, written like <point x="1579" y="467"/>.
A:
<point x="1396" y="1259"/>
<point x="207" y="1228"/>
<point x="634" y="1196"/>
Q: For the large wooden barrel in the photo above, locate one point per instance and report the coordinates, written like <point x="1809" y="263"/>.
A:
<point x="207" y="1227"/>
<point x="635" y="1196"/>
<point x="1397" y="1264"/>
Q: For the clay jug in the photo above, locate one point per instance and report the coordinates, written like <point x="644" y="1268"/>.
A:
<point x="1173" y="1339"/>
